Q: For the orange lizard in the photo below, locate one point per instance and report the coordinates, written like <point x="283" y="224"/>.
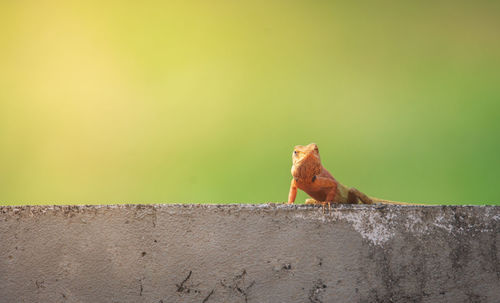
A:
<point x="311" y="177"/>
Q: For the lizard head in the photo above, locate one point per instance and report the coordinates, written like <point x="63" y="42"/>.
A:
<point x="306" y="161"/>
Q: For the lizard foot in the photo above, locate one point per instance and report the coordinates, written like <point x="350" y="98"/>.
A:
<point x="312" y="201"/>
<point x="329" y="206"/>
<point x="322" y="203"/>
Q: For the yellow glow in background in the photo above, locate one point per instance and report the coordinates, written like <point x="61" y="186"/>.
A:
<point x="203" y="101"/>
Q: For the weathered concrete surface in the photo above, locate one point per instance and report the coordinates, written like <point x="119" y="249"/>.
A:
<point x="249" y="253"/>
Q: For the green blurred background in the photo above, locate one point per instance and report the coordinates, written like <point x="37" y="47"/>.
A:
<point x="203" y="101"/>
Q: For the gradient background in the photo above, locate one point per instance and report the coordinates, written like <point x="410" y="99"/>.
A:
<point x="203" y="101"/>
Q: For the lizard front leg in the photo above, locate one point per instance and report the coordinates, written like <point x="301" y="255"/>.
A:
<point x="328" y="185"/>
<point x="329" y="188"/>
<point x="332" y="191"/>
<point x="293" y="192"/>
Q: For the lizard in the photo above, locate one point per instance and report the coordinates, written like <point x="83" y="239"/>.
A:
<point x="310" y="176"/>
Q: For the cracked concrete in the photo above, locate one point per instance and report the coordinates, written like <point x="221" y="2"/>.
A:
<point x="249" y="253"/>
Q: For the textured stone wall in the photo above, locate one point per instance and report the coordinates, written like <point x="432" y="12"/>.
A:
<point x="249" y="253"/>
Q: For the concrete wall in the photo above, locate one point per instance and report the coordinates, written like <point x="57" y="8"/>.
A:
<point x="249" y="253"/>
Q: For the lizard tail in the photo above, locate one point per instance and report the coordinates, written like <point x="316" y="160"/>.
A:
<point x="355" y="196"/>
<point x="383" y="201"/>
